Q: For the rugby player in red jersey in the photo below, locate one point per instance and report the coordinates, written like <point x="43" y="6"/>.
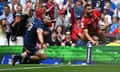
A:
<point x="90" y="25"/>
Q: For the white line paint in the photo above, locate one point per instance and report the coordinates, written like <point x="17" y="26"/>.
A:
<point x="28" y="68"/>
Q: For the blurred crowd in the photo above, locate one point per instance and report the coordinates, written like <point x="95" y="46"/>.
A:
<point x="64" y="19"/>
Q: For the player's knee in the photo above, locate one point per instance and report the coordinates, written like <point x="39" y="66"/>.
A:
<point x="43" y="56"/>
<point x="24" y="54"/>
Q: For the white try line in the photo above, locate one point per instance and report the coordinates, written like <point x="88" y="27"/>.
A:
<point x="28" y="68"/>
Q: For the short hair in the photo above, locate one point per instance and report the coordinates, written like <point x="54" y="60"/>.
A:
<point x="87" y="5"/>
<point x="7" y="6"/>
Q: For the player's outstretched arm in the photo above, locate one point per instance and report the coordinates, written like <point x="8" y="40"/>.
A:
<point x="89" y="38"/>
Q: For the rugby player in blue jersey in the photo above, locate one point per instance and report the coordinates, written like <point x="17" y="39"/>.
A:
<point x="33" y="36"/>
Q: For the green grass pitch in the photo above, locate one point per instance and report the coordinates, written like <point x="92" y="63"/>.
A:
<point x="59" y="68"/>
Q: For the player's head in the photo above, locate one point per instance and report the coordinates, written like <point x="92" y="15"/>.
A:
<point x="40" y="13"/>
<point x="88" y="10"/>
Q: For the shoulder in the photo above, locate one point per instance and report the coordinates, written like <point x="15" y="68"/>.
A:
<point x="37" y="23"/>
<point x="96" y="12"/>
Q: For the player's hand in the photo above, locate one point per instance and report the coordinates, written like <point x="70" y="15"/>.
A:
<point x="44" y="46"/>
<point x="95" y="43"/>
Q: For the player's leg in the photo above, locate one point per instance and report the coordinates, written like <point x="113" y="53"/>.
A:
<point x="28" y="55"/>
<point x="15" y="58"/>
<point x="21" y="57"/>
<point x="101" y="35"/>
<point x="39" y="55"/>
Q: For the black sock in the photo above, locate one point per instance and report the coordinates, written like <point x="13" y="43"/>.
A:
<point x="28" y="57"/>
<point x="18" y="56"/>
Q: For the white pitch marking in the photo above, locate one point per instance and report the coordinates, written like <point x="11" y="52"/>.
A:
<point x="27" y="68"/>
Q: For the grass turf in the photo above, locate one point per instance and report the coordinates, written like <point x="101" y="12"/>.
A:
<point x="59" y="68"/>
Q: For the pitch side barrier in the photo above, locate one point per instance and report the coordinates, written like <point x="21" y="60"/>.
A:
<point x="67" y="54"/>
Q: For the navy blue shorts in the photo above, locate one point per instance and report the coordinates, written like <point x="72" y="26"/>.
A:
<point x="31" y="51"/>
